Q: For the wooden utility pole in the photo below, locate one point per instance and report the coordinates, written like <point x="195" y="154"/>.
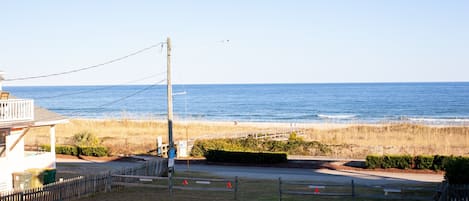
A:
<point x="172" y="151"/>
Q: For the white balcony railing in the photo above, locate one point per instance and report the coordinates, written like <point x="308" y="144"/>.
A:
<point x="16" y="110"/>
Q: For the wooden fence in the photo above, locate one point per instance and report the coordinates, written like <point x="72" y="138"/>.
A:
<point x="454" y="192"/>
<point x="75" y="188"/>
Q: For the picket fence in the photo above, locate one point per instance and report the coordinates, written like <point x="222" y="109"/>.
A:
<point x="75" y="188"/>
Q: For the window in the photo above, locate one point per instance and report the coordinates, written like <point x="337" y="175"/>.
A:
<point x="3" y="135"/>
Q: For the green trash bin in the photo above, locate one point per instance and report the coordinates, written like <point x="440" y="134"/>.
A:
<point x="42" y="176"/>
<point x="49" y="176"/>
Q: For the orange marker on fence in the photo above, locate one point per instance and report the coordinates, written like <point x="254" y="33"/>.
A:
<point x="316" y="191"/>
<point x="185" y="182"/>
<point x="228" y="185"/>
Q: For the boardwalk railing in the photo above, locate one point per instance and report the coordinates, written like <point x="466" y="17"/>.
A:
<point x="75" y="188"/>
<point x="16" y="110"/>
<point x="277" y="134"/>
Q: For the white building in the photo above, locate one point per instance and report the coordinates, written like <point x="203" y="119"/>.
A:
<point x="17" y="116"/>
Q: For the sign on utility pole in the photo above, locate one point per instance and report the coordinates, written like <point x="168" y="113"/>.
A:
<point x="172" y="151"/>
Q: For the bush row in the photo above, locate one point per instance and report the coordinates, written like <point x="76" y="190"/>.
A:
<point x="293" y="146"/>
<point x="389" y="161"/>
<point x="457" y="170"/>
<point x="436" y="162"/>
<point x="98" y="151"/>
<point x="245" y="157"/>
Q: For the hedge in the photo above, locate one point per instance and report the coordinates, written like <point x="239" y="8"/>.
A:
<point x="245" y="157"/>
<point x="98" y="151"/>
<point x="374" y="161"/>
<point x="423" y="162"/>
<point x="75" y="151"/>
<point x="436" y="162"/>
<point x="293" y="146"/>
<point x="457" y="170"/>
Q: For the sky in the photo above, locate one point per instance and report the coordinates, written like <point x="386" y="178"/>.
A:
<point x="231" y="42"/>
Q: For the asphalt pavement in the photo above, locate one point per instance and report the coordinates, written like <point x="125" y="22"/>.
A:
<point x="319" y="175"/>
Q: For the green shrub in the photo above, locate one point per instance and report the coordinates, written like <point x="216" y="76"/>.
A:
<point x="98" y="151"/>
<point x="296" y="146"/>
<point x="423" y="162"/>
<point x="438" y="162"/>
<point x="403" y="162"/>
<point x="457" y="170"/>
<point x="86" y="138"/>
<point x="294" y="137"/>
<point x="374" y="161"/>
<point x="45" y="147"/>
<point x="389" y="161"/>
<point x="245" y="157"/>
<point x="66" y="149"/>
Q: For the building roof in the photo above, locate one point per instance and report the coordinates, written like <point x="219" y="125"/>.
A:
<point x="44" y="117"/>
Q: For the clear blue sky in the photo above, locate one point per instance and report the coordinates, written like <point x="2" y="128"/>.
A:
<point x="269" y="41"/>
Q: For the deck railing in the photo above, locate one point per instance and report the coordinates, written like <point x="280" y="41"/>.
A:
<point x="16" y="110"/>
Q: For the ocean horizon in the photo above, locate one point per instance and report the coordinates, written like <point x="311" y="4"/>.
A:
<point x="421" y="102"/>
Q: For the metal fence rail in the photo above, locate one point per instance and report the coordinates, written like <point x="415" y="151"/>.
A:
<point x="353" y="191"/>
<point x="180" y="183"/>
<point x="286" y="187"/>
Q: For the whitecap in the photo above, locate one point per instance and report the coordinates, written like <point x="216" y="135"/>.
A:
<point x="337" y="116"/>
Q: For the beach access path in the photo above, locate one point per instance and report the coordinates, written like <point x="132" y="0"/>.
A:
<point x="80" y="166"/>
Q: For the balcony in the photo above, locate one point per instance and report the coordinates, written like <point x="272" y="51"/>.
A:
<point x="16" y="110"/>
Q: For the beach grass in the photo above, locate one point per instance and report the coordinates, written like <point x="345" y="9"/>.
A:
<point x="125" y="136"/>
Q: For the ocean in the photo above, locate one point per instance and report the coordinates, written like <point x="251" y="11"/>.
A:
<point x="433" y="103"/>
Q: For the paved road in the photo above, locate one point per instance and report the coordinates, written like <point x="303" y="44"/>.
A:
<point x="359" y="177"/>
<point x="76" y="167"/>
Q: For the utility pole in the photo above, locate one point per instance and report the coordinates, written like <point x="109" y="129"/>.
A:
<point x="172" y="151"/>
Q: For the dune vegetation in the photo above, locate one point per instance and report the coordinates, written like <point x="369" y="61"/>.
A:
<point x="124" y="136"/>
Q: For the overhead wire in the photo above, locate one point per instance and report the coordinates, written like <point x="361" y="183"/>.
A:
<point x="133" y="94"/>
<point x="100" y="88"/>
<point x="104" y="106"/>
<point x="88" y="67"/>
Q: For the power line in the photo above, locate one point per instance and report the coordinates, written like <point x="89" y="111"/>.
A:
<point x="101" y="88"/>
<point x="133" y="94"/>
<point x="88" y="67"/>
<point x="103" y="106"/>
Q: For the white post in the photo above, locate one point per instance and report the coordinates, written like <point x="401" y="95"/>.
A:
<point x="52" y="143"/>
<point x="1" y="80"/>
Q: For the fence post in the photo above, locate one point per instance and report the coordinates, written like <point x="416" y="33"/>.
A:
<point x="353" y="190"/>
<point x="280" y="188"/>
<point x="60" y="192"/>
<point x="107" y="187"/>
<point x="21" y="196"/>
<point x="94" y="183"/>
<point x="236" y="188"/>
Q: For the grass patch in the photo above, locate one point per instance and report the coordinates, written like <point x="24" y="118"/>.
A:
<point x="254" y="190"/>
